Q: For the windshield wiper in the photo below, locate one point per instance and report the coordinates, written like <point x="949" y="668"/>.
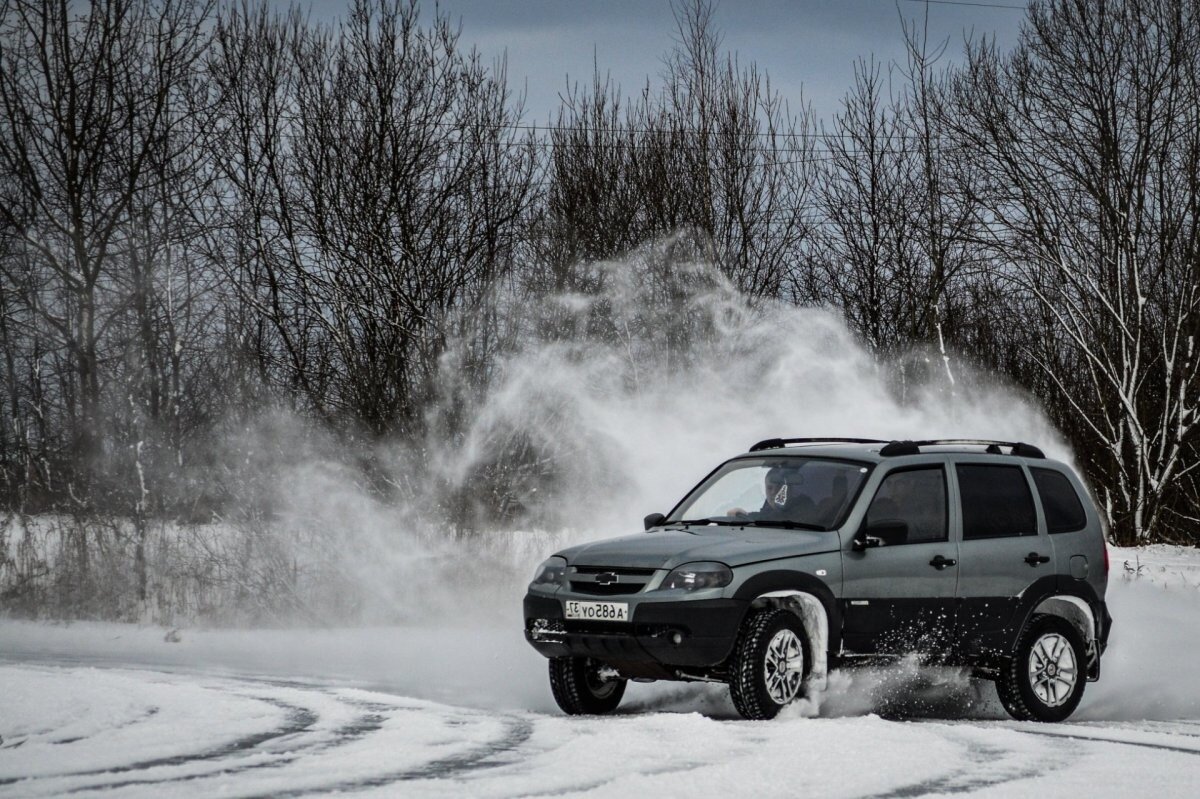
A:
<point x="785" y="524"/>
<point x="722" y="520"/>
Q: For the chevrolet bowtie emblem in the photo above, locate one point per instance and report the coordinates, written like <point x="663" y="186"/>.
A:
<point x="606" y="578"/>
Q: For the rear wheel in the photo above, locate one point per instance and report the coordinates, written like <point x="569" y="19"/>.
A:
<point x="769" y="663"/>
<point x="580" y="688"/>
<point x="1044" y="680"/>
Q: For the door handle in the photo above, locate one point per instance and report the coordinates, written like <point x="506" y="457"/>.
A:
<point x="1034" y="558"/>
<point x="940" y="562"/>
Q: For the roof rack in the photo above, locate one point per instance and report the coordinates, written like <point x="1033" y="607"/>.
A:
<point x="897" y="448"/>
<point x="779" y="443"/>
<point x="1018" y="448"/>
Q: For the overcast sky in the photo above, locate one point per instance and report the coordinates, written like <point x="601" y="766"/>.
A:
<point x="808" y="47"/>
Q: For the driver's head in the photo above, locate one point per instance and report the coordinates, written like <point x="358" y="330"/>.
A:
<point x="780" y="485"/>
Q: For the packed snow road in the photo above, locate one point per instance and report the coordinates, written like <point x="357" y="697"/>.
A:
<point x="83" y="730"/>
<point x="89" y="709"/>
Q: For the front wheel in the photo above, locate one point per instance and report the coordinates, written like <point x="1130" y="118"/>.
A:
<point x="580" y="688"/>
<point x="769" y="663"/>
<point x="1044" y="680"/>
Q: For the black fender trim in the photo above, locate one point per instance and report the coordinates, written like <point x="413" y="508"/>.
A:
<point x="1042" y="589"/>
<point x="783" y="580"/>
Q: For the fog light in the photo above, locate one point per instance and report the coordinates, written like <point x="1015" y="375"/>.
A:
<point x="677" y="638"/>
<point x="546" y="629"/>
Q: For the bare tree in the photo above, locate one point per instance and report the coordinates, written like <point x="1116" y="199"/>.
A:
<point x="870" y="255"/>
<point x="385" y="189"/>
<point x="714" y="152"/>
<point x="88" y="99"/>
<point x="1090" y="134"/>
<point x="253" y="77"/>
<point x="898" y="250"/>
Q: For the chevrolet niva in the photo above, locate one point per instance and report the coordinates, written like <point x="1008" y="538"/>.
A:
<point x="806" y="554"/>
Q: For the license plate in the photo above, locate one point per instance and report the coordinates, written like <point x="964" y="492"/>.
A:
<point x="596" y="611"/>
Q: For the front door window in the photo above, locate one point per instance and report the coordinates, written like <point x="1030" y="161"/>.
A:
<point x="912" y="501"/>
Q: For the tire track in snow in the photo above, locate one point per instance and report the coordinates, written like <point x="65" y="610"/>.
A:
<point x="488" y="755"/>
<point x="1173" y="728"/>
<point x="360" y="728"/>
<point x="1077" y="736"/>
<point x="323" y="718"/>
<point x="517" y="732"/>
<point x="148" y="713"/>
<point x="227" y="759"/>
<point x="977" y="756"/>
<point x="298" y="720"/>
<point x="677" y="768"/>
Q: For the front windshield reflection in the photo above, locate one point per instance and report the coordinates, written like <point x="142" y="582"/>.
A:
<point x="788" y="491"/>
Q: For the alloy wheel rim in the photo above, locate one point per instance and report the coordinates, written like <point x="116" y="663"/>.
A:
<point x="1053" y="670"/>
<point x="783" y="667"/>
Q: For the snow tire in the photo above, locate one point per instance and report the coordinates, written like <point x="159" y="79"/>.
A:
<point x="579" y="690"/>
<point x="748" y="680"/>
<point x="1023" y="694"/>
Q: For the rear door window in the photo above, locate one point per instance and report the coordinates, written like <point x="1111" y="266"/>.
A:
<point x="996" y="501"/>
<point x="1064" y="512"/>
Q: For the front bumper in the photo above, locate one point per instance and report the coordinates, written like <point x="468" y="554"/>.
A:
<point x="697" y="633"/>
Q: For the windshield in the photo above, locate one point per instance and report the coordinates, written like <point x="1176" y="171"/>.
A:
<point x="811" y="493"/>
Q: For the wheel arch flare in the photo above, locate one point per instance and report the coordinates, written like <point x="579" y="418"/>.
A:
<point x="1079" y="613"/>
<point x="811" y="612"/>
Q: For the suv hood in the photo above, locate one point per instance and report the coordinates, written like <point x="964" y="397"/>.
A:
<point x="733" y="546"/>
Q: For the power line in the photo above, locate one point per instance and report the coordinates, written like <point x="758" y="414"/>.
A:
<point x="821" y="146"/>
<point x="967" y="3"/>
<point x="816" y="154"/>
<point x="620" y="130"/>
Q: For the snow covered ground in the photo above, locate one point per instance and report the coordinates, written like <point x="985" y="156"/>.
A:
<point x="464" y="710"/>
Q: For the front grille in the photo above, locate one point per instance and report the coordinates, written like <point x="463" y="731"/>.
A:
<point x="623" y="570"/>
<point x="604" y="581"/>
<point x="595" y="589"/>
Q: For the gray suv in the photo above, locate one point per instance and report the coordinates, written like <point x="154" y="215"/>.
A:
<point x="807" y="554"/>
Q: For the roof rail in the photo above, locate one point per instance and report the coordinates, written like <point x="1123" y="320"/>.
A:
<point x="896" y="448"/>
<point x="1018" y="448"/>
<point x="779" y="443"/>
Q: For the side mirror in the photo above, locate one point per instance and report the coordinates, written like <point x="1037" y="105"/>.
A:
<point x="654" y="520"/>
<point x="863" y="542"/>
<point x="885" y="532"/>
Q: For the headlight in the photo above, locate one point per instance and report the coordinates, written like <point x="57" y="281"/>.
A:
<point x="551" y="572"/>
<point x="694" y="576"/>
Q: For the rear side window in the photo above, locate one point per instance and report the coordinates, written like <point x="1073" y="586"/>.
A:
<point x="1060" y="503"/>
<point x="996" y="502"/>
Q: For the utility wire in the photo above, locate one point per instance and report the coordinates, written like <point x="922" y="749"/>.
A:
<point x="519" y="126"/>
<point x="966" y="3"/>
<point x="820" y="147"/>
<point x="816" y="154"/>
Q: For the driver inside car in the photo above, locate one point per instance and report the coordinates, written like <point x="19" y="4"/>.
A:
<point x="785" y="500"/>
